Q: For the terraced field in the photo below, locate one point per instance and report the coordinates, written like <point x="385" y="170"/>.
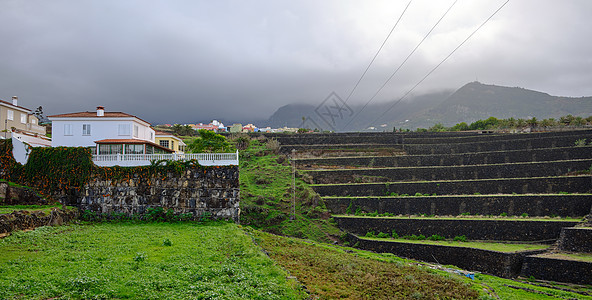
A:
<point x="412" y="194"/>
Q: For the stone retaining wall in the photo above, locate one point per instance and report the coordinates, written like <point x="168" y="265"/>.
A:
<point x="501" y="264"/>
<point x="527" y="143"/>
<point x="497" y="137"/>
<point x="20" y="220"/>
<point x="12" y="195"/>
<point x="571" y="184"/>
<point x="473" y="229"/>
<point x="197" y="191"/>
<point x="495" y="157"/>
<point x="533" y="205"/>
<point x="576" y="240"/>
<point x="513" y="170"/>
<point x="579" y="272"/>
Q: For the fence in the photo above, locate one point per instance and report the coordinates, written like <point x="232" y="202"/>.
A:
<point x="134" y="160"/>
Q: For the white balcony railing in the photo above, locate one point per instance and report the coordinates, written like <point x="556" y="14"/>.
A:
<point x="134" y="160"/>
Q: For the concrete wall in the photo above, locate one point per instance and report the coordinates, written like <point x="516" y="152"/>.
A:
<point x="576" y="240"/>
<point x="533" y="205"/>
<point x="513" y="170"/>
<point x="473" y="229"/>
<point x="197" y="191"/>
<point x="545" y="268"/>
<point x="571" y="184"/>
<point x="501" y="264"/>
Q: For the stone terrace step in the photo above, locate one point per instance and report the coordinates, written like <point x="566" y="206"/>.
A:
<point x="360" y="137"/>
<point x="474" y="229"/>
<point x="493" y="157"/>
<point x="492" y="145"/>
<point x="503" y="264"/>
<point x="574" y="205"/>
<point x="536" y="185"/>
<point x="554" y="268"/>
<point x="287" y="149"/>
<point x="498" y="137"/>
<point x="512" y="170"/>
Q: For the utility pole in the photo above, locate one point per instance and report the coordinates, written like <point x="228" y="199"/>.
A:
<point x="293" y="185"/>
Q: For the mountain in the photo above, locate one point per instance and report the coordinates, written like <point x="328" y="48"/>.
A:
<point x="336" y="115"/>
<point x="476" y="101"/>
<point x="471" y="102"/>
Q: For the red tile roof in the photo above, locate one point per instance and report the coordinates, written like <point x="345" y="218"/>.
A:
<point x="132" y="141"/>
<point x="6" y="102"/>
<point x="93" y="114"/>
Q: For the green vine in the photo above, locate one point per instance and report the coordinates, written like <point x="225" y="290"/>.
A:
<point x="63" y="170"/>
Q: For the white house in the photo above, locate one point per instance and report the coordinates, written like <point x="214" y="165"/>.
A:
<point x="105" y="132"/>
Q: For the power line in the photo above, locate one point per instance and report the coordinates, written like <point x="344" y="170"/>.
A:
<point x="438" y="65"/>
<point x="375" y="55"/>
<point x="402" y="63"/>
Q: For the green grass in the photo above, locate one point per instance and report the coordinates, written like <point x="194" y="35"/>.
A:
<point x="587" y="257"/>
<point x="266" y="197"/>
<point x="500" y="246"/>
<point x="475" y="218"/>
<point x="6" y="209"/>
<point x="134" y="261"/>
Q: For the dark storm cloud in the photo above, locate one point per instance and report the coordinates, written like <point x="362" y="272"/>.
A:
<point x="191" y="61"/>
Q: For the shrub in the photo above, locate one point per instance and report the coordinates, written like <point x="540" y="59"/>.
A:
<point x="436" y="237"/>
<point x="167" y="242"/>
<point x="273" y="145"/>
<point x="395" y="235"/>
<point x="382" y="235"/>
<point x="580" y="143"/>
<point x="370" y="234"/>
<point x="460" y="238"/>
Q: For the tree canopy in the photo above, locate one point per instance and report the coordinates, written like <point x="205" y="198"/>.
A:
<point x="209" y="142"/>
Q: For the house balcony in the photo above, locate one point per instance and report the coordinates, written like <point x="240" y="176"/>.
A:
<point x="135" y="160"/>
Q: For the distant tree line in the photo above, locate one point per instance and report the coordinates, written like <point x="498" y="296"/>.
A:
<point x="493" y="123"/>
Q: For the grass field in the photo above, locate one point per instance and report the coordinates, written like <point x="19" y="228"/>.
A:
<point x="139" y="261"/>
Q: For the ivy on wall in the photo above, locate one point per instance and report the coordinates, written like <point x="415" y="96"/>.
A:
<point x="64" y="170"/>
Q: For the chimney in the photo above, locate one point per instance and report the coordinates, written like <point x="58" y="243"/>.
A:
<point x="100" y="111"/>
<point x="15" y="100"/>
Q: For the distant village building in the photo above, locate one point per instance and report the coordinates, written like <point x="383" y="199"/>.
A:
<point x="249" y="128"/>
<point x="105" y="132"/>
<point x="15" y="118"/>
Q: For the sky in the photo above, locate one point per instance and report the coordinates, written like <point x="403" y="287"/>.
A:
<point x="174" y="61"/>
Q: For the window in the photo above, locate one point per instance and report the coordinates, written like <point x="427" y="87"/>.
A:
<point x="67" y="129"/>
<point x="164" y="143"/>
<point x="151" y="136"/>
<point x="134" y="149"/>
<point x="136" y="130"/>
<point x="33" y="121"/>
<point x="10" y="114"/>
<point x="85" y="129"/>
<point x="124" y="129"/>
<point x="110" y="148"/>
<point x="173" y="145"/>
<point x="24" y="118"/>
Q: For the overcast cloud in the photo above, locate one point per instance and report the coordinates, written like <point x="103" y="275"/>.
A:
<point x="193" y="61"/>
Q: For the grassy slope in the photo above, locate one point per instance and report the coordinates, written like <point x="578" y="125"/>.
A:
<point x="266" y="197"/>
<point x="122" y="260"/>
<point x="329" y="271"/>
